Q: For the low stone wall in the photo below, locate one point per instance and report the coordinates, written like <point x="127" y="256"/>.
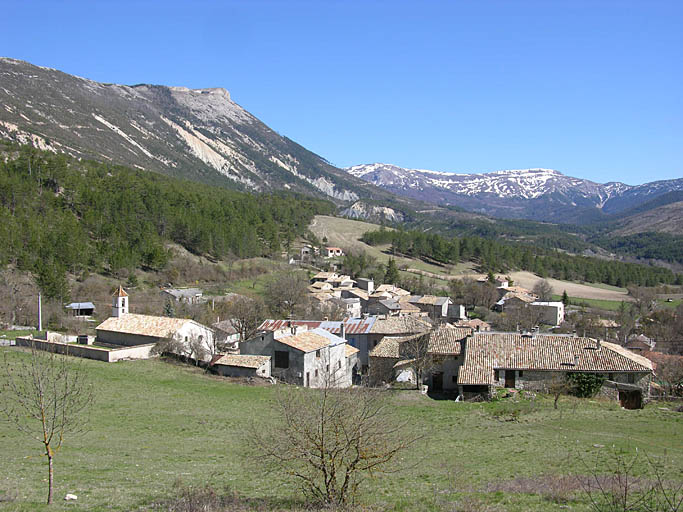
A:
<point x="89" y="352"/>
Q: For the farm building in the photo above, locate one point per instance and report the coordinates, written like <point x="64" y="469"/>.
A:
<point x="186" y="295"/>
<point x="240" y="365"/>
<point x="81" y="309"/>
<point x="525" y="361"/>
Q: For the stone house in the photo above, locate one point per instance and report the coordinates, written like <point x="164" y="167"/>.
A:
<point x="476" y="324"/>
<point x="551" y="313"/>
<point x="311" y="358"/>
<point x="186" y="295"/>
<point x="239" y="365"/>
<point x="534" y="362"/>
<point x="435" y="307"/>
<point x="444" y="349"/>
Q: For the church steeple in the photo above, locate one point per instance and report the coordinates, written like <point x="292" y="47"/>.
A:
<point x="120" y="303"/>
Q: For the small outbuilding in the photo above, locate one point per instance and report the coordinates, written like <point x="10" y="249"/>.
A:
<point x="241" y="365"/>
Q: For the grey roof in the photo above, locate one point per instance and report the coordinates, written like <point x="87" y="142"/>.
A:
<point x="80" y="305"/>
<point x="183" y="293"/>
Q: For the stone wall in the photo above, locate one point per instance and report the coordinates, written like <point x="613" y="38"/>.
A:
<point x="89" y="352"/>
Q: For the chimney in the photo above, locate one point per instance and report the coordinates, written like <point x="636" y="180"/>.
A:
<point x="293" y="328"/>
<point x="597" y="344"/>
<point x="576" y="360"/>
<point x="343" y="331"/>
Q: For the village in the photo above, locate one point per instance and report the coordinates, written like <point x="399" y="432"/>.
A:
<point x="384" y="337"/>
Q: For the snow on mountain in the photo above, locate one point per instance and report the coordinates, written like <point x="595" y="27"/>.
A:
<point x="539" y="194"/>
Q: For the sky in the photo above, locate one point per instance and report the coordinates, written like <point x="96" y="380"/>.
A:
<point x="593" y="89"/>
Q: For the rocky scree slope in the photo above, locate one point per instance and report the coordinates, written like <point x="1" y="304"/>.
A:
<point x="197" y="134"/>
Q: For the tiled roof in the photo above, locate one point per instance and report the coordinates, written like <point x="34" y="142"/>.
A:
<point x="324" y="275"/>
<point x="351" y="325"/>
<point x="432" y="300"/>
<point x="442" y="341"/>
<point x="392" y="289"/>
<point x="349" y="350"/>
<point x="225" y="326"/>
<point x="515" y="295"/>
<point x="517" y="289"/>
<point x="143" y="325"/>
<point x="306" y="341"/>
<point x="485" y="352"/>
<point x="390" y="346"/>
<point x="474" y="323"/>
<point x="399" y="325"/>
<point x="320" y="285"/>
<point x="447" y="340"/>
<point x="361" y="294"/>
<point x="241" y="360"/>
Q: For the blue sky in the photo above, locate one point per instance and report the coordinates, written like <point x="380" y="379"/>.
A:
<point x="593" y="89"/>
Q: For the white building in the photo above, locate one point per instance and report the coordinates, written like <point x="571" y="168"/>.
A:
<point x="128" y="329"/>
<point x="552" y="313"/>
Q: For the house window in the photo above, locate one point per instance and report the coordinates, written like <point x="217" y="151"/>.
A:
<point x="316" y="373"/>
<point x="610" y="376"/>
<point x="317" y="354"/>
<point x="281" y="359"/>
<point x="454" y="379"/>
<point x="521" y="373"/>
<point x="338" y="364"/>
<point x="631" y="378"/>
<point x="496" y="375"/>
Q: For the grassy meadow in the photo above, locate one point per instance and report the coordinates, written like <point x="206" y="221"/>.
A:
<point x="155" y="422"/>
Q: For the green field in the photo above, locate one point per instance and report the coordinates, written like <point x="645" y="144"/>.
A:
<point x="607" y="305"/>
<point x="155" y="422"/>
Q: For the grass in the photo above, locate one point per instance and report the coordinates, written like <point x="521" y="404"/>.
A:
<point x="155" y="422"/>
<point x="606" y="287"/>
<point x="607" y="305"/>
<point x="12" y="335"/>
<point x="671" y="305"/>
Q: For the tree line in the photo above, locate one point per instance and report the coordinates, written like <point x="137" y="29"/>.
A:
<point x="59" y="215"/>
<point x="495" y="256"/>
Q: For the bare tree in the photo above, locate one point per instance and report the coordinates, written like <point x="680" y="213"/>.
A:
<point x="543" y="290"/>
<point x="244" y="314"/>
<point x="329" y="439"/>
<point x="416" y="349"/>
<point x="45" y="396"/>
<point x="286" y="292"/>
<point x="628" y="483"/>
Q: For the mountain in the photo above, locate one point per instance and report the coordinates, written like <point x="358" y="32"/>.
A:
<point x="198" y="134"/>
<point x="536" y="194"/>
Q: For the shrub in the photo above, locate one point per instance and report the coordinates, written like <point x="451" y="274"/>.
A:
<point x="585" y="385"/>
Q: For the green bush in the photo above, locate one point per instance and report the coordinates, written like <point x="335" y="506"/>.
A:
<point x="585" y="385"/>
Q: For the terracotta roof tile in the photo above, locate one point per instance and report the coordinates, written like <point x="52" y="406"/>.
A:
<point x="486" y="352"/>
<point x="241" y="360"/>
<point x="144" y="325"/>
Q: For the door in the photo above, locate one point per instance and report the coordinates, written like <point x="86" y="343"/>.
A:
<point x="308" y="380"/>
<point x="437" y="382"/>
<point x="509" y="378"/>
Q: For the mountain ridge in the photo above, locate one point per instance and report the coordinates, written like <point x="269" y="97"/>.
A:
<point x="535" y="194"/>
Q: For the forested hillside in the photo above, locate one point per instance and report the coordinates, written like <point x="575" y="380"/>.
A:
<point x="60" y="215"/>
<point x="496" y="256"/>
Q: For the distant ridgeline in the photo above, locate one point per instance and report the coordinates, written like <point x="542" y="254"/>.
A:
<point x="61" y="215"/>
<point x="502" y="257"/>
